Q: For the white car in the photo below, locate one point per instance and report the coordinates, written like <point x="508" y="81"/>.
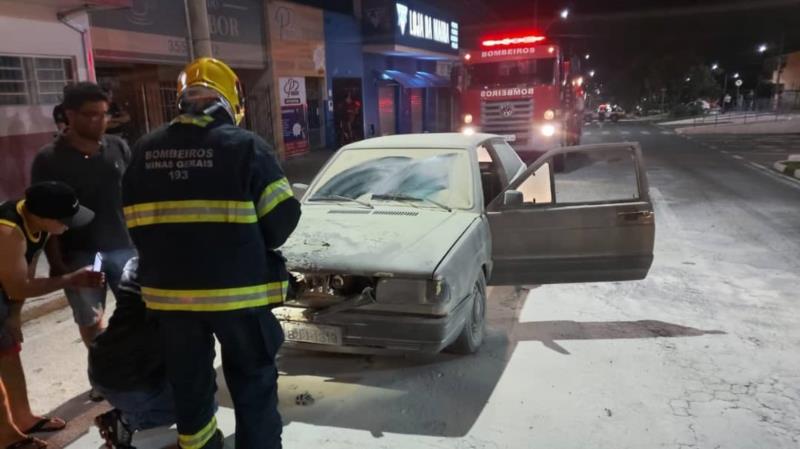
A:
<point x="401" y="235"/>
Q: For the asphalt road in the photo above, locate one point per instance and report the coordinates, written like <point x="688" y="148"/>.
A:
<point x="701" y="354"/>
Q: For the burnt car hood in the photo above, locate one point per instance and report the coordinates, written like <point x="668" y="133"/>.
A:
<point x="383" y="241"/>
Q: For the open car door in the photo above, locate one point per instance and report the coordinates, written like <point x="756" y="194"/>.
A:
<point x="592" y="221"/>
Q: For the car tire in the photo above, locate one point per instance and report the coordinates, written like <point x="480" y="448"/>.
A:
<point x="474" y="330"/>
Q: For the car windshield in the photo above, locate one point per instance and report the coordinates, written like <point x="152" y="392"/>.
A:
<point x="432" y="176"/>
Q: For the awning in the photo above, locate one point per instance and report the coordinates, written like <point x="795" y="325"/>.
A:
<point x="420" y="80"/>
<point x="406" y="80"/>
<point x="434" y="80"/>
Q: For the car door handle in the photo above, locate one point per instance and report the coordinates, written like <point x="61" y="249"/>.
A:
<point x="635" y="215"/>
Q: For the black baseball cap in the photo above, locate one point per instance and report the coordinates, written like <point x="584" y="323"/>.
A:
<point x="57" y="201"/>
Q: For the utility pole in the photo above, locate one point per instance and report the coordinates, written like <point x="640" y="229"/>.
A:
<point x="198" y="28"/>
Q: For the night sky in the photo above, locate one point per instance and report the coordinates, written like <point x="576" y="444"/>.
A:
<point x="620" y="33"/>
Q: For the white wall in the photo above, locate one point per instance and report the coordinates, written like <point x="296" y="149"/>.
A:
<point x="34" y="30"/>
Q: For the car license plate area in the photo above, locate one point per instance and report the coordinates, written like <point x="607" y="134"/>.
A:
<point x="312" y="333"/>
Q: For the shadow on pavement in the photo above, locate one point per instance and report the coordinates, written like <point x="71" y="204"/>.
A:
<point x="79" y="412"/>
<point x="441" y="395"/>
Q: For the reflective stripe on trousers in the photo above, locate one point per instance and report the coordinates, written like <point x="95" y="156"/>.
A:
<point x="199" y="439"/>
<point x="215" y="300"/>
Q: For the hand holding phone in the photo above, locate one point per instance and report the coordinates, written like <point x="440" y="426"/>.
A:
<point x="98" y="263"/>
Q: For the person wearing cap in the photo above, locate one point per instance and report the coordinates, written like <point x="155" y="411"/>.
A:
<point x="48" y="208"/>
<point x="92" y="163"/>
<point x="208" y="206"/>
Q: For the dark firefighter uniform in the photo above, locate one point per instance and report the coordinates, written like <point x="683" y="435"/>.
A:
<point x="207" y="206"/>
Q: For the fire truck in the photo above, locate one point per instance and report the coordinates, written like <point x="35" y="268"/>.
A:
<point x="520" y="87"/>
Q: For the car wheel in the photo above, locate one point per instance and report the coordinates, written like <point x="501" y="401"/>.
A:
<point x="472" y="334"/>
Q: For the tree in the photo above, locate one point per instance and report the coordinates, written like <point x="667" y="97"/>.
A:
<point x="701" y="84"/>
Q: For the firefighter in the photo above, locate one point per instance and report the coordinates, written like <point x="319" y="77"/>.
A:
<point x="207" y="206"/>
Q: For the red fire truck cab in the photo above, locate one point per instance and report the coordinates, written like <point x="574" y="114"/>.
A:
<point x="519" y="87"/>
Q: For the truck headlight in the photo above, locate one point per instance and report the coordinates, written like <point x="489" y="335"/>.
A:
<point x="549" y="114"/>
<point x="548" y="130"/>
<point x="468" y="130"/>
<point x="468" y="118"/>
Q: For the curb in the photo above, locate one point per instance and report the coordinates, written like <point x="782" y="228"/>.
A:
<point x="782" y="166"/>
<point x="38" y="307"/>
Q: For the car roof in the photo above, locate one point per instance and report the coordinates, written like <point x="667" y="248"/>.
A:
<point x="426" y="140"/>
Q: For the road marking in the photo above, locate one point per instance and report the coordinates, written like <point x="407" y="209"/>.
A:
<point x="713" y="147"/>
<point x="723" y="152"/>
<point x="625" y="133"/>
<point x="605" y="133"/>
<point x="736" y="156"/>
<point x="646" y="133"/>
<point x="666" y="132"/>
<point x="587" y="133"/>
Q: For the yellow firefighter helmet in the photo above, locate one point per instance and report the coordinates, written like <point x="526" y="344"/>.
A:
<point x="216" y="75"/>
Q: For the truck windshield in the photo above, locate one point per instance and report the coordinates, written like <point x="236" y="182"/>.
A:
<point x="504" y="73"/>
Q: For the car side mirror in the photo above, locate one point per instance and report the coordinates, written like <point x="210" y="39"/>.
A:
<point x="299" y="189"/>
<point x="512" y="198"/>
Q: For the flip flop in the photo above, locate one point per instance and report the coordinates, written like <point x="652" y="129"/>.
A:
<point x="40" y="426"/>
<point x="28" y="443"/>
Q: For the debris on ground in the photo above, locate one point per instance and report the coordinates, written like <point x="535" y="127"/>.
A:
<point x="304" y="399"/>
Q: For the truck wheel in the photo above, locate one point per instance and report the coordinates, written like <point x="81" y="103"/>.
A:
<point x="472" y="334"/>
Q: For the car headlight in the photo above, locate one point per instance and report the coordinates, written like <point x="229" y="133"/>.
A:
<point x="548" y="130"/>
<point x="468" y="118"/>
<point x="438" y="290"/>
<point x="468" y="130"/>
<point x="411" y="291"/>
<point x="549" y="114"/>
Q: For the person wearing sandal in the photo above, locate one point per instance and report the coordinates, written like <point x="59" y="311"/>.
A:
<point x="25" y="224"/>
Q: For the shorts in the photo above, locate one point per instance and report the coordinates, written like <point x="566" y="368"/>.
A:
<point x="8" y="343"/>
<point x="89" y="304"/>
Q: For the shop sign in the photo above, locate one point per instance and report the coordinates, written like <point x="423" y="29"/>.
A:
<point x="295" y="130"/>
<point x="410" y="23"/>
<point x="292" y="91"/>
<point x="424" y="26"/>
<point x="155" y="31"/>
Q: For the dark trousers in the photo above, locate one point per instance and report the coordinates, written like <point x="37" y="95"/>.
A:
<point x="250" y="339"/>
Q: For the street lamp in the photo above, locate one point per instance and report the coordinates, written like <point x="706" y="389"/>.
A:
<point x="736" y="75"/>
<point x="762" y="48"/>
<point x="591" y="73"/>
<point x="714" y="66"/>
<point x="587" y="56"/>
<point x="688" y="79"/>
<point x="564" y="13"/>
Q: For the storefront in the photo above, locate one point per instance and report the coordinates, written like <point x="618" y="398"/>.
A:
<point x="50" y="52"/>
<point x="408" y="51"/>
<point x="345" y="70"/>
<point x="139" y="52"/>
<point x="297" y="49"/>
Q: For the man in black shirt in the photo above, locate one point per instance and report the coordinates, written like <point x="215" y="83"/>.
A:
<point x="126" y="365"/>
<point x="92" y="163"/>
